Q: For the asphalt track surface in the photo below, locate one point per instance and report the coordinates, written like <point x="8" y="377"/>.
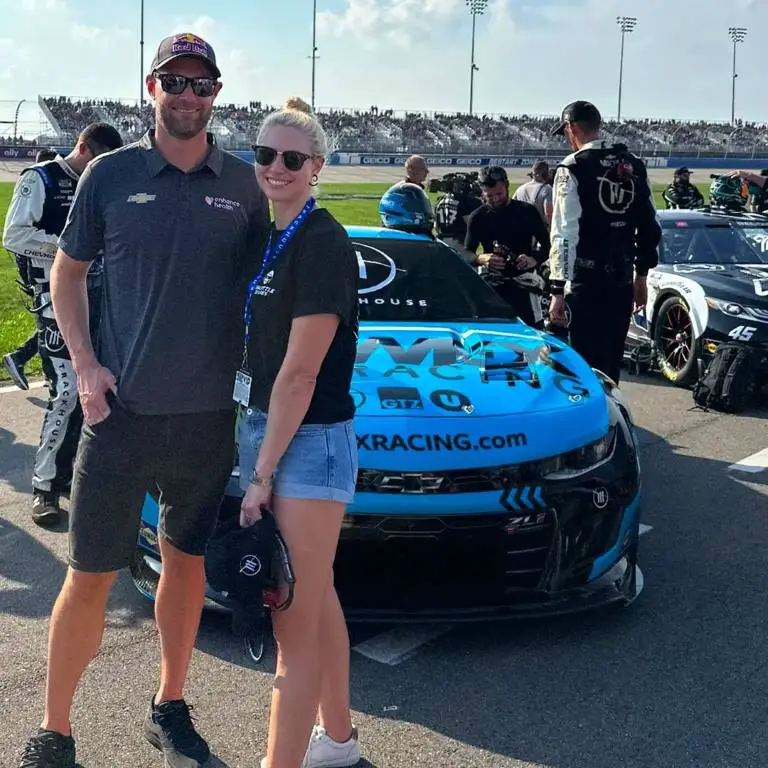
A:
<point x="677" y="680"/>
<point x="343" y="174"/>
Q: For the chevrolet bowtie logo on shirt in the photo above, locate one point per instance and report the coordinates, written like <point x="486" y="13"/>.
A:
<point x="141" y="197"/>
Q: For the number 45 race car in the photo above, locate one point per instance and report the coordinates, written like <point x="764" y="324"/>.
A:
<point x="710" y="287"/>
<point x="499" y="474"/>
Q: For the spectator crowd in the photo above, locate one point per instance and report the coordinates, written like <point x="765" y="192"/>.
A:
<point x="385" y="130"/>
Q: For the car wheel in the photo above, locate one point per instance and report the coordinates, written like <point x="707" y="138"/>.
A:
<point x="677" y="348"/>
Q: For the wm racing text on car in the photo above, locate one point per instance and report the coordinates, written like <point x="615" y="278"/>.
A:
<point x="710" y="287"/>
<point x="499" y="474"/>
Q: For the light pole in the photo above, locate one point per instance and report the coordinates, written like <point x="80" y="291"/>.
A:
<point x="476" y="8"/>
<point x="141" y="57"/>
<point x="314" y="55"/>
<point x="626" y="24"/>
<point x="737" y="35"/>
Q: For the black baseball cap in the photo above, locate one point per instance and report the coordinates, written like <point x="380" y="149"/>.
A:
<point x="102" y="135"/>
<point x="185" y="44"/>
<point x="491" y="175"/>
<point x="578" y="112"/>
<point x="683" y="170"/>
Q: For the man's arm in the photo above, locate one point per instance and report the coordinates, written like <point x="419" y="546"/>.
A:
<point x="79" y="244"/>
<point x="21" y="234"/>
<point x="472" y="239"/>
<point x="70" y="307"/>
<point x="670" y="197"/>
<point x="647" y="228"/>
<point x="542" y="237"/>
<point x="565" y="230"/>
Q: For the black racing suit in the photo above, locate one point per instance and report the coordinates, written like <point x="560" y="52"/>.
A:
<point x="451" y="215"/>
<point x="36" y="216"/>
<point x="679" y="195"/>
<point x="515" y="226"/>
<point x="604" y="231"/>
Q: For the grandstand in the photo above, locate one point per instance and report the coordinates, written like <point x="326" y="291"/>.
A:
<point x="388" y="131"/>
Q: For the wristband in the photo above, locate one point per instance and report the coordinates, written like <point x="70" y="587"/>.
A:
<point x="260" y="480"/>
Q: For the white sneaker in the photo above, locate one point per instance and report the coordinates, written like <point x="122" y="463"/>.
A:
<point x="324" y="752"/>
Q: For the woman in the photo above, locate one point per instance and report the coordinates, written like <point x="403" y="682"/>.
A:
<point x="298" y="450"/>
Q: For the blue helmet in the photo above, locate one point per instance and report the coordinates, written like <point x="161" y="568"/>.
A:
<point x="406" y="206"/>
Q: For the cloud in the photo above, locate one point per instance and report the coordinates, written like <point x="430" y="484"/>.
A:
<point x="203" y="26"/>
<point x="373" y="23"/>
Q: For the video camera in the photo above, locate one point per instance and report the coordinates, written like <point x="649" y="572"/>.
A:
<point x="458" y="183"/>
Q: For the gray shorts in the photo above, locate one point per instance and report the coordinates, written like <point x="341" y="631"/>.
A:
<point x="183" y="460"/>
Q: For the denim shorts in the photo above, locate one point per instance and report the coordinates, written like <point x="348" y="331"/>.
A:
<point x="320" y="462"/>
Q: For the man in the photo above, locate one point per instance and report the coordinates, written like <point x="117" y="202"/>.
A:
<point x="416" y="170"/>
<point x="453" y="209"/>
<point x="538" y="191"/>
<point x="681" y="193"/>
<point x="16" y="361"/>
<point x="604" y="228"/>
<point x="182" y="225"/>
<point x="39" y="206"/>
<point x="507" y="230"/>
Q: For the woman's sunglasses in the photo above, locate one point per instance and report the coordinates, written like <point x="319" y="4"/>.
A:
<point x="177" y="84"/>
<point x="292" y="159"/>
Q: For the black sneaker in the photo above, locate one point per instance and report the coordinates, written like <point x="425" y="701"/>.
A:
<point x="169" y="728"/>
<point x="45" y="508"/>
<point x="48" y="749"/>
<point x="15" y="371"/>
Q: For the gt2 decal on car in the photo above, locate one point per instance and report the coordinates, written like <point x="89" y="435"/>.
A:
<point x="400" y="399"/>
<point x="435" y="442"/>
<point x="743" y="333"/>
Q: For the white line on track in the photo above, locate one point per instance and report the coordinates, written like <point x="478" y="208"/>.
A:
<point x="400" y="643"/>
<point x="757" y="462"/>
<point x="645" y="529"/>
<point x="14" y="388"/>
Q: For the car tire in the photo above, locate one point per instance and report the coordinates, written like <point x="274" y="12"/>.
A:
<point x="677" y="349"/>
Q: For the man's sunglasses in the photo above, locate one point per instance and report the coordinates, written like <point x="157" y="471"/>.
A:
<point x="177" y="84"/>
<point x="292" y="159"/>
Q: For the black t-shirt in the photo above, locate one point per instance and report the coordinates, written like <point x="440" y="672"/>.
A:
<point x="516" y="225"/>
<point x="316" y="274"/>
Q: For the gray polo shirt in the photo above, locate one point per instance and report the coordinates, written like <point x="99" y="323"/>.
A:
<point x="179" y="249"/>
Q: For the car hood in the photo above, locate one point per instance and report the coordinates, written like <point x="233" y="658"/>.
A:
<point x="470" y="371"/>
<point x="743" y="283"/>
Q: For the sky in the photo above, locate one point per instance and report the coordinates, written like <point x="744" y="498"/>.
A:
<point x="534" y="56"/>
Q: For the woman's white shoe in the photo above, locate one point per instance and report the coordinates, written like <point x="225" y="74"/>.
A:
<point x="324" y="752"/>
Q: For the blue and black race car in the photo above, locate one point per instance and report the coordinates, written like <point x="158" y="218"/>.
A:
<point x="710" y="287"/>
<point x="499" y="474"/>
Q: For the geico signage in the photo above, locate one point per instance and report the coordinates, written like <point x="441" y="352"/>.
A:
<point x="469" y="161"/>
<point x="377" y="161"/>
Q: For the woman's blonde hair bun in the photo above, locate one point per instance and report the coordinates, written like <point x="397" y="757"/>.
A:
<point x="298" y="104"/>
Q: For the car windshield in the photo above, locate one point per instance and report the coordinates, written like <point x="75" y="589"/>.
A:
<point x="424" y="281"/>
<point x="740" y="243"/>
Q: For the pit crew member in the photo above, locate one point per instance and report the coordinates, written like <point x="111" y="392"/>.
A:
<point x="538" y="191"/>
<point x="16" y="361"/>
<point x="416" y="170"/>
<point x="507" y="230"/>
<point x="604" y="239"/>
<point x="36" y="216"/>
<point x="681" y="193"/>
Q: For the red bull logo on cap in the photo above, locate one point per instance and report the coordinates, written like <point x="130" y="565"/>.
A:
<point x="189" y="43"/>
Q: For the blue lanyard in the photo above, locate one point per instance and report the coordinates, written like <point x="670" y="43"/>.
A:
<point x="270" y="258"/>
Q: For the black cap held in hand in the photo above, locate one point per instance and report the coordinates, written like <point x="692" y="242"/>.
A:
<point x="185" y="44"/>
<point x="578" y="112"/>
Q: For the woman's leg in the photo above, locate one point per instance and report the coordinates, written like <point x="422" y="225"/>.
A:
<point x="334" y="711"/>
<point x="311" y="531"/>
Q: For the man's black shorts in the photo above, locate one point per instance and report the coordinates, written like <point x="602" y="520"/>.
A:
<point x="184" y="460"/>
